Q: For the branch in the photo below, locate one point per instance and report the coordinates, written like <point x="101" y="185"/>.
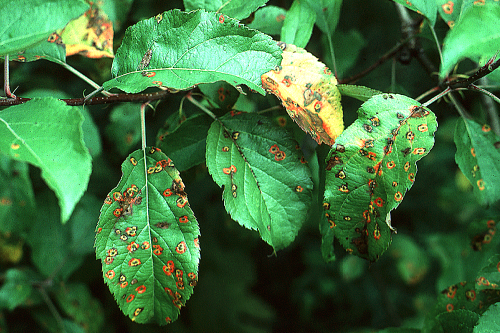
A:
<point x="489" y="67"/>
<point x="138" y="98"/>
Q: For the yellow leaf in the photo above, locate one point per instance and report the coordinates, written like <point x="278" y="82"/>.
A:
<point x="308" y="91"/>
<point x="90" y="35"/>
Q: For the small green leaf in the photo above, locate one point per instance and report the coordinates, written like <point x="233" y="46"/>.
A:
<point x="60" y="249"/>
<point x="238" y="9"/>
<point x="327" y="14"/>
<point x="124" y="129"/>
<point x="17" y="203"/>
<point x="186" y="142"/>
<point x="369" y="169"/>
<point x="489" y="322"/>
<point x="489" y="276"/>
<point x="458" y="321"/>
<point x="479" y="159"/>
<point x="147" y="239"/>
<point x="76" y="300"/>
<point x="423" y="7"/>
<point x="16" y="288"/>
<point x="298" y="25"/>
<point x="266" y="187"/>
<point x="361" y="93"/>
<point x="25" y="23"/>
<point x="179" y="50"/>
<point x="57" y="148"/>
<point x="269" y="20"/>
<point x="465" y="40"/>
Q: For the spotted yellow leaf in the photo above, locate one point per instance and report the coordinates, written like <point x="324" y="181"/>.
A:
<point x="308" y="90"/>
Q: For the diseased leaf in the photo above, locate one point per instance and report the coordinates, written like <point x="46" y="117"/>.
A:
<point x="423" y="7"/>
<point x="307" y="89"/>
<point x="90" y="35"/>
<point x="57" y="148"/>
<point x="479" y="159"/>
<point x="482" y="234"/>
<point x="238" y="9"/>
<point x="147" y="239"/>
<point x="26" y="23"/>
<point x="52" y="49"/>
<point x="449" y="10"/>
<point x="220" y="93"/>
<point x="267" y="186"/>
<point x="179" y="50"/>
<point x="465" y="40"/>
<point x="489" y="276"/>
<point x="299" y="23"/>
<point x="369" y="169"/>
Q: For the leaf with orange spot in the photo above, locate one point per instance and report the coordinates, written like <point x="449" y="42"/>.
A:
<point x="90" y="35"/>
<point x="309" y="92"/>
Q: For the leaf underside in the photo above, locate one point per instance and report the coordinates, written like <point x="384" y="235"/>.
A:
<point x="369" y="169"/>
<point x="147" y="239"/>
<point x="267" y="185"/>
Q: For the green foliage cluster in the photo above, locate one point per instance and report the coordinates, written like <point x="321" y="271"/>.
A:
<point x="227" y="138"/>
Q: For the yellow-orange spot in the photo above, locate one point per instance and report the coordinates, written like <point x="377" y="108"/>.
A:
<point x="480" y="184"/>
<point x="15" y="146"/>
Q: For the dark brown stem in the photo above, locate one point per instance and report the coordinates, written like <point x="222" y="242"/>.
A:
<point x="489" y="67"/>
<point x="138" y="98"/>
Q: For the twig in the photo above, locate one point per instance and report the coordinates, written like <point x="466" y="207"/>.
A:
<point x="489" y="67"/>
<point x="146" y="97"/>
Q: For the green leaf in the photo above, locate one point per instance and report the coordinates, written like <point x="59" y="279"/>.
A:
<point x="186" y="143"/>
<point x="58" y="250"/>
<point x="147" y="239"/>
<point x="269" y="20"/>
<point x="124" y="129"/>
<point x="489" y="276"/>
<point x="57" y="148"/>
<point x="17" y="203"/>
<point x="423" y="7"/>
<point x="76" y="300"/>
<point x="299" y="23"/>
<point x="458" y="321"/>
<point x="489" y="322"/>
<point x="238" y="9"/>
<point x="327" y="14"/>
<point x="179" y="50"/>
<point x="266" y="187"/>
<point x="478" y="158"/>
<point x="25" y="23"/>
<point x="369" y="169"/>
<point x="465" y="40"/>
<point x="16" y="288"/>
<point x="361" y="93"/>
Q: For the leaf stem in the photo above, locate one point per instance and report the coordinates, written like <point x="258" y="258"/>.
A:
<point x="6" y="84"/>
<point x="201" y="106"/>
<point x="82" y="76"/>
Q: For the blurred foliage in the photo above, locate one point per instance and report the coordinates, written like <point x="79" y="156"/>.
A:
<point x="444" y="237"/>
